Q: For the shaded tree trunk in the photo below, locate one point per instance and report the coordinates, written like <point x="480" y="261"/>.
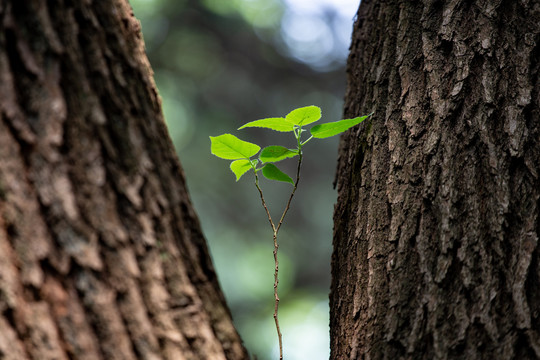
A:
<point x="436" y="227"/>
<point x="101" y="253"/>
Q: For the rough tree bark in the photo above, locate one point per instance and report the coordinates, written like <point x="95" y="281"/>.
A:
<point x="101" y="253"/>
<point x="436" y="227"/>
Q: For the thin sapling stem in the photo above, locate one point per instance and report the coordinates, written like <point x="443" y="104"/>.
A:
<point x="275" y="230"/>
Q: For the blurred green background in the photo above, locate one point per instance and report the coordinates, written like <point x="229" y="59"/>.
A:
<point x="219" y="64"/>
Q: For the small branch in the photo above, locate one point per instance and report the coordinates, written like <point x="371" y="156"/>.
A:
<point x="264" y="204"/>
<point x="292" y="193"/>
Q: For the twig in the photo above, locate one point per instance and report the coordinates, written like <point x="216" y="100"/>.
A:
<point x="292" y="193"/>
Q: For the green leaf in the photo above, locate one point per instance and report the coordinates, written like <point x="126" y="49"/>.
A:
<point x="242" y="166"/>
<point x="271" y="172"/>
<point x="276" y="153"/>
<point x="334" y="128"/>
<point x="230" y="147"/>
<point x="304" y="115"/>
<point x="277" y="124"/>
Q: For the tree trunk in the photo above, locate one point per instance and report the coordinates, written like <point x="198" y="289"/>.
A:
<point x="101" y="253"/>
<point x="436" y="227"/>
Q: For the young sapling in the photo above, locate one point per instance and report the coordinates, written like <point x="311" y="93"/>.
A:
<point x="243" y="153"/>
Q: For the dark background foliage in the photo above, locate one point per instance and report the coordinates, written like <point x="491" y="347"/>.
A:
<point x="219" y="64"/>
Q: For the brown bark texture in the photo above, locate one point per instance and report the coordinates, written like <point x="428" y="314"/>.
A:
<point x="436" y="250"/>
<point x="101" y="253"/>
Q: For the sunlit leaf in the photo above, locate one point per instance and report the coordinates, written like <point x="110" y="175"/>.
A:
<point x="304" y="115"/>
<point x="334" y="128"/>
<point x="230" y="147"/>
<point x="277" y="124"/>
<point x="271" y="172"/>
<point x="240" y="167"/>
<point x="276" y="153"/>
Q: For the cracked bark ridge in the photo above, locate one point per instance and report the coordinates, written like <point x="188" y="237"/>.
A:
<point x="101" y="253"/>
<point x="437" y="221"/>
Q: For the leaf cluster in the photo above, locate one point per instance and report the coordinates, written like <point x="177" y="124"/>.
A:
<point x="229" y="147"/>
